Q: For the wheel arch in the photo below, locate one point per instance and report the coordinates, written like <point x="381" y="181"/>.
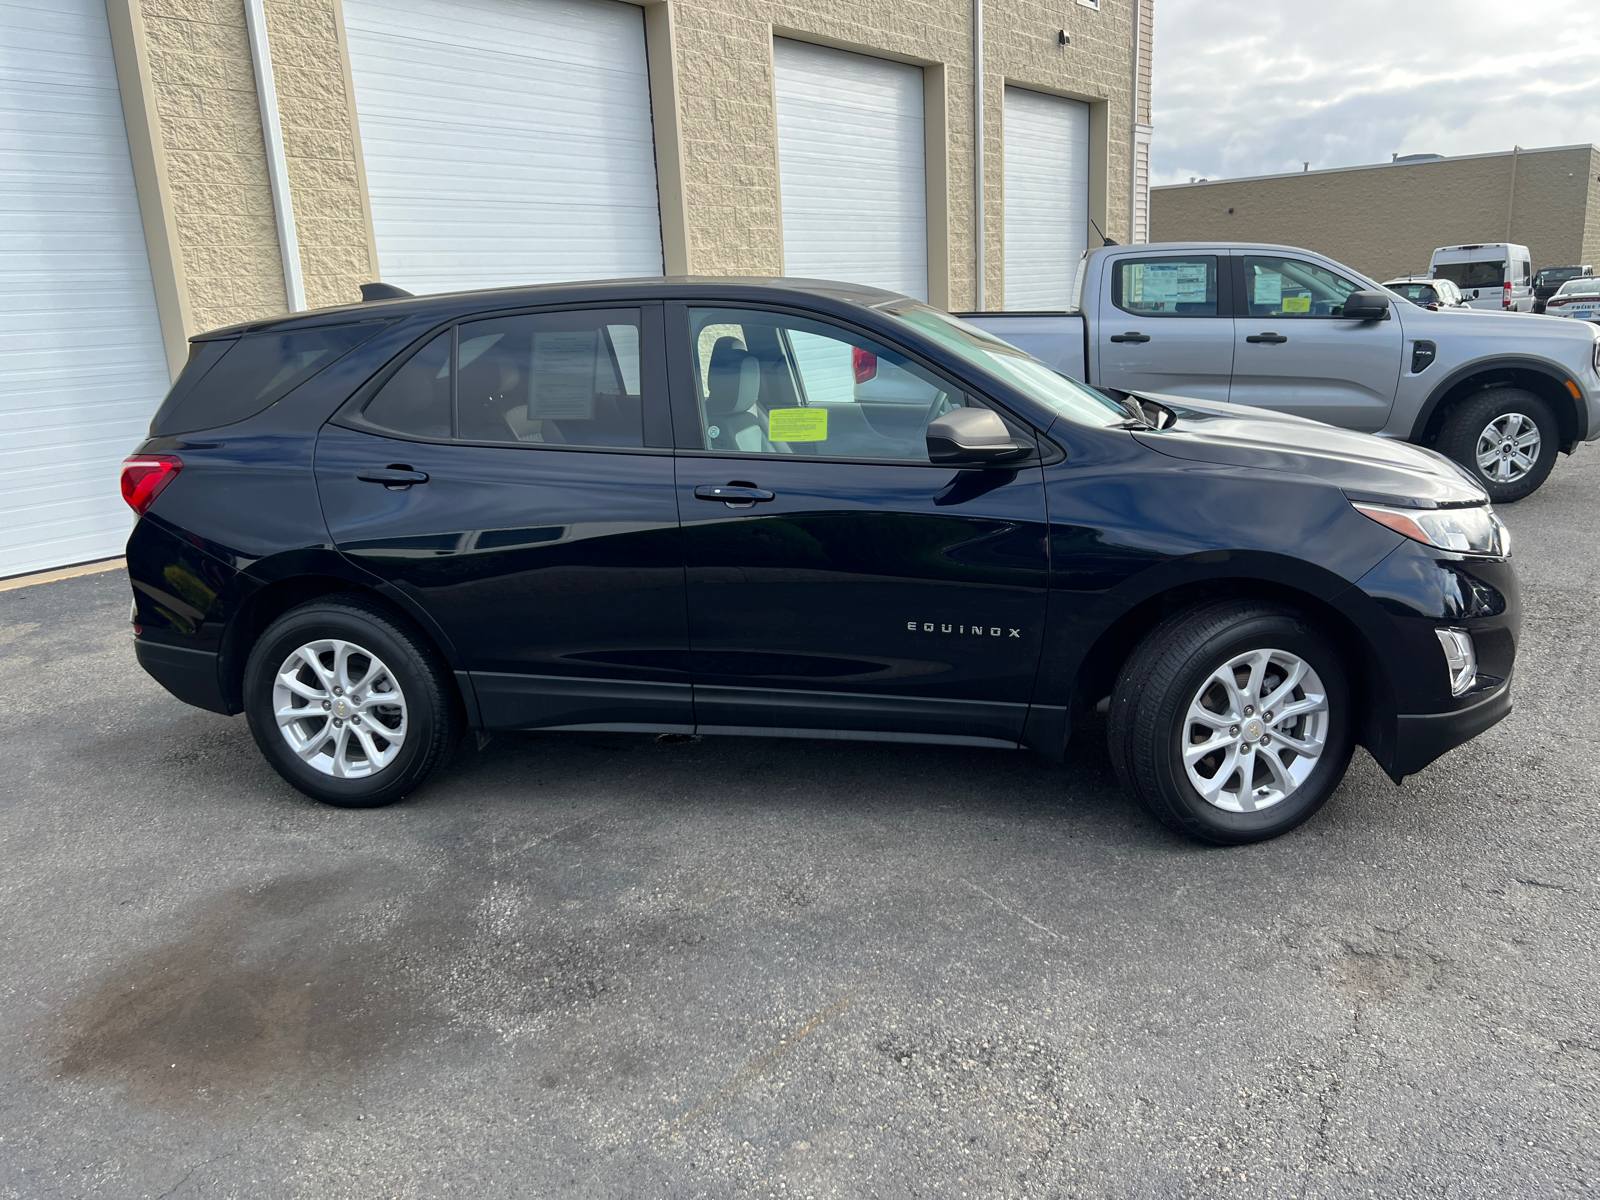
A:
<point x="269" y="601"/>
<point x="1370" y="685"/>
<point x="1544" y="379"/>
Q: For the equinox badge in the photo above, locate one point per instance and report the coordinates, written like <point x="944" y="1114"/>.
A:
<point x="980" y="630"/>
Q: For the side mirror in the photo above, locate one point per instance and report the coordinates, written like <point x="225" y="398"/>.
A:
<point x="1366" y="306"/>
<point x="970" y="435"/>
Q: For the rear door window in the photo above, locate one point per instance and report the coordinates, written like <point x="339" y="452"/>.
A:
<point x="252" y="373"/>
<point x="552" y="379"/>
<point x="567" y="379"/>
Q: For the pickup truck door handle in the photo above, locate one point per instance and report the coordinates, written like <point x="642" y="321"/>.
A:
<point x="1271" y="339"/>
<point x="1133" y="335"/>
<point x="734" y="495"/>
<point x="392" y="477"/>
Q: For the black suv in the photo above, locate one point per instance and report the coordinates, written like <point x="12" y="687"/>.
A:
<point x="801" y="509"/>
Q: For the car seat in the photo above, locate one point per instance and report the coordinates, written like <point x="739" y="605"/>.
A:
<point x="733" y="394"/>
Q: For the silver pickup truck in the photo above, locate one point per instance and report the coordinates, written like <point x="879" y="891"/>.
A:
<point x="1286" y="329"/>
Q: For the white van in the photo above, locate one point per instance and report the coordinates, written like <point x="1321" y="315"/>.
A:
<point x="1496" y="275"/>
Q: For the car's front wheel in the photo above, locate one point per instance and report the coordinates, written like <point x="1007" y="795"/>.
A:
<point x="1507" y="438"/>
<point x="1231" y="722"/>
<point x="348" y="704"/>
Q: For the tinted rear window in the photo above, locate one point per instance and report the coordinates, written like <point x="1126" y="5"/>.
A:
<point x="1469" y="275"/>
<point x="225" y="382"/>
<point x="1555" y="276"/>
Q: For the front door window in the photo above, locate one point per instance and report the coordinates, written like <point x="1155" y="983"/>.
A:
<point x="775" y="384"/>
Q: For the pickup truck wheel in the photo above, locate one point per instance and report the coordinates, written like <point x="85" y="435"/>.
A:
<point x="1507" y="438"/>
<point x="1230" y="722"/>
<point x="348" y="705"/>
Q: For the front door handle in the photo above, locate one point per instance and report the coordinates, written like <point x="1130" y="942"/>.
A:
<point x="1133" y="335"/>
<point x="1271" y="339"/>
<point x="734" y="495"/>
<point x="396" y="478"/>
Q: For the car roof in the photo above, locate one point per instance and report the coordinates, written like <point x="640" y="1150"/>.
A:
<point x="446" y="305"/>
<point x="1410" y="279"/>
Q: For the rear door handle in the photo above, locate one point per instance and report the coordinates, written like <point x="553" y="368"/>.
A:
<point x="734" y="495"/>
<point x="1271" y="339"/>
<point x="1133" y="335"/>
<point x="392" y="477"/>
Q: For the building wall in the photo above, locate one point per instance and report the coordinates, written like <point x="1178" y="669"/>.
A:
<point x="205" y="171"/>
<point x="209" y="128"/>
<point x="1386" y="220"/>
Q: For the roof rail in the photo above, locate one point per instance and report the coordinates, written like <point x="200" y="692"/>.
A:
<point x="382" y="291"/>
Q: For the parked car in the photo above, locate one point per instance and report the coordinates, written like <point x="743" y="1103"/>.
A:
<point x="1286" y="329"/>
<point x="1577" y="298"/>
<point x="1429" y="293"/>
<point x="688" y="506"/>
<point x="1494" y="275"/>
<point x="1548" y="280"/>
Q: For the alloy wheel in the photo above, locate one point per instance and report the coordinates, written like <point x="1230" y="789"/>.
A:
<point x="339" y="708"/>
<point x="1255" y="730"/>
<point x="1508" y="447"/>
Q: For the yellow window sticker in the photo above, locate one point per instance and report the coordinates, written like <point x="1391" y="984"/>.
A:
<point x="798" y="424"/>
<point x="1296" y="304"/>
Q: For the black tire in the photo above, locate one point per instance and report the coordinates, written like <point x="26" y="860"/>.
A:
<point x="1469" y="421"/>
<point x="1147" y="723"/>
<point x="432" y="722"/>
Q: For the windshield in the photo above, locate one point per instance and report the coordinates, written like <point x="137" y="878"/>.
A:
<point x="1067" y="397"/>
<point x="1580" y="287"/>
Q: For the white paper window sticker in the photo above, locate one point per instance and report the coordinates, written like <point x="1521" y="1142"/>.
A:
<point x="1268" y="288"/>
<point x="563" y="371"/>
<point x="1169" y="283"/>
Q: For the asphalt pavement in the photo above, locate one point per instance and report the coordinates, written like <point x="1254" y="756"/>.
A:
<point x="609" y="966"/>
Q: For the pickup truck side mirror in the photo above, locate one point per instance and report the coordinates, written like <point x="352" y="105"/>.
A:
<point x="1366" y="306"/>
<point x="971" y="435"/>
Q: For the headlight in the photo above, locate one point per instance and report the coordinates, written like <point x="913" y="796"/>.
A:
<point x="1461" y="657"/>
<point x="1477" y="530"/>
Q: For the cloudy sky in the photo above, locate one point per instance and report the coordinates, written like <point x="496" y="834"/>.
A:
<point x="1251" y="87"/>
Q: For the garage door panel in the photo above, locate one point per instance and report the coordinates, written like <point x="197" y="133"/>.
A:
<point x="1046" y="197"/>
<point x="852" y="167"/>
<point x="82" y="365"/>
<point x="506" y="141"/>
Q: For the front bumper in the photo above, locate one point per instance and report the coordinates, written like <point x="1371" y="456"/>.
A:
<point x="1423" y="737"/>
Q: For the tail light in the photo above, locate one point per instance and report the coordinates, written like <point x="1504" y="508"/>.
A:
<point x="1505" y="295"/>
<point x="145" y="476"/>
<point x="1555" y="301"/>
<point x="865" y="363"/>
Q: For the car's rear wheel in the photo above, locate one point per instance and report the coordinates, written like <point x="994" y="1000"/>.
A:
<point x="348" y="704"/>
<point x="1231" y="722"/>
<point x="1507" y="437"/>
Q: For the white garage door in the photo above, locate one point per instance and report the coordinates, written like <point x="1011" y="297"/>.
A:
<point x="506" y="141"/>
<point x="852" y="168"/>
<point x="81" y="361"/>
<point x="1047" y="197"/>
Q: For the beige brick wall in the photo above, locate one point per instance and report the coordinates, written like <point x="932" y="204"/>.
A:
<point x="221" y="199"/>
<point x="210" y="130"/>
<point x="1387" y="220"/>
